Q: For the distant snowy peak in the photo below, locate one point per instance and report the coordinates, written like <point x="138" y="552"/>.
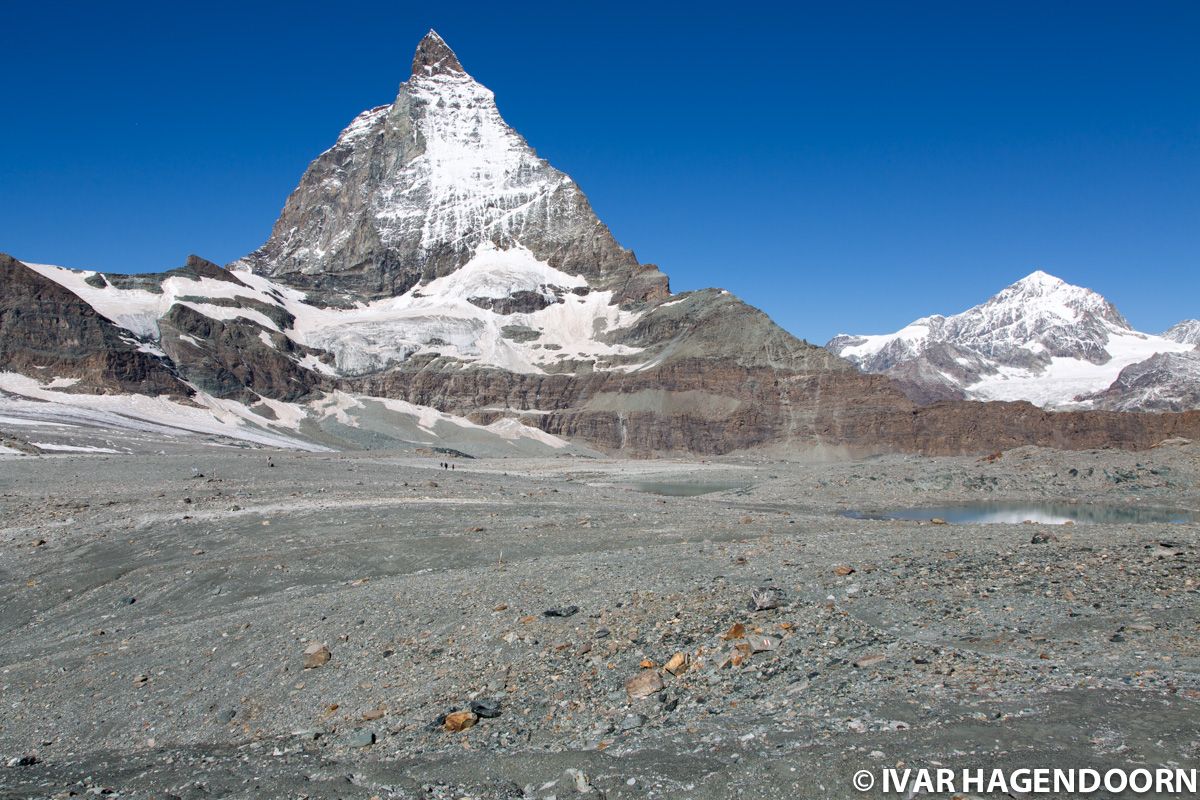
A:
<point x="1040" y="299"/>
<point x="1043" y="315"/>
<point x="410" y="192"/>
<point x="1040" y="314"/>
<point x="1186" y="332"/>
<point x="1040" y="339"/>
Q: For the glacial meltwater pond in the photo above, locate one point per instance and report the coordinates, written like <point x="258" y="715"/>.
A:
<point x="682" y="489"/>
<point x="1043" y="513"/>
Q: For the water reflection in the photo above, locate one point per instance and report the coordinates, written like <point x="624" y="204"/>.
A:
<point x="1042" y="513"/>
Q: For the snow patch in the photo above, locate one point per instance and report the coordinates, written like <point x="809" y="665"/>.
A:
<point x="30" y="399"/>
<point x="138" y="310"/>
<point x="72" y="448"/>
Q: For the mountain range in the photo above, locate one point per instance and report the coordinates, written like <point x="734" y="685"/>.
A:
<point x="432" y="282"/>
<point x="1042" y="340"/>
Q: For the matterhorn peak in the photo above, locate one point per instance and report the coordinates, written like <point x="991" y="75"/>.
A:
<point x="411" y="190"/>
<point x="434" y="57"/>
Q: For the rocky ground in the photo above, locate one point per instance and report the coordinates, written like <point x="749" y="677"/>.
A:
<point x="225" y="623"/>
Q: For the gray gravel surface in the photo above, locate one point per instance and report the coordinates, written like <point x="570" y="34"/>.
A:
<point x="157" y="614"/>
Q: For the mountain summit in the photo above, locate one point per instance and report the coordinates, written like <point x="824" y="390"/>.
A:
<point x="434" y="57"/>
<point x="410" y="191"/>
<point x="430" y="259"/>
<point x="1040" y="339"/>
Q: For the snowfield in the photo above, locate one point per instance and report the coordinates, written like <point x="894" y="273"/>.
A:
<point x="438" y="317"/>
<point x="74" y="420"/>
<point x="1065" y="379"/>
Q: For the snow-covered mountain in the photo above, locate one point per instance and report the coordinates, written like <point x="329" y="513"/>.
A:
<point x="198" y="355"/>
<point x="415" y="190"/>
<point x="503" y="309"/>
<point x="1186" y="332"/>
<point x="430" y="237"/>
<point x="1041" y="340"/>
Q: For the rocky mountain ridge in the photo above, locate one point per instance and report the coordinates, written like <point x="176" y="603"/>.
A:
<point x="1186" y="332"/>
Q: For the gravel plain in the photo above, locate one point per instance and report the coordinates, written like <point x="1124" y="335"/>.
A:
<point x="221" y="622"/>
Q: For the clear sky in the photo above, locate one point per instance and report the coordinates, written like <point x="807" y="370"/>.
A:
<point x="844" y="166"/>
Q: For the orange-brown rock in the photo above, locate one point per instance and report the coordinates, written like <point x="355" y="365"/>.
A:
<point x="458" y="721"/>
<point x="316" y="655"/>
<point x="677" y="664"/>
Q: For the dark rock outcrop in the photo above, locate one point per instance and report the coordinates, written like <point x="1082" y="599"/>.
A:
<point x="237" y="358"/>
<point x="194" y="268"/>
<point x="523" y="302"/>
<point x="48" y="332"/>
<point x="434" y="57"/>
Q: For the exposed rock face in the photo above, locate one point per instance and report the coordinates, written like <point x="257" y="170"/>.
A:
<point x="48" y="332"/>
<point x="1163" y="382"/>
<point x="410" y="191"/>
<point x="215" y="331"/>
<point x="434" y="57"/>
<point x="519" y="302"/>
<point x="194" y="268"/>
<point x="237" y="358"/>
<point x="1041" y="340"/>
<point x="958" y="427"/>
<point x="718" y="375"/>
<point x="728" y="378"/>
<point x="1186" y="332"/>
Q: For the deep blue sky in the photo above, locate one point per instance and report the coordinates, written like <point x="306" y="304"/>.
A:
<point x="846" y="167"/>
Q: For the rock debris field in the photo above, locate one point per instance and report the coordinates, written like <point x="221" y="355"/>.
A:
<point x="237" y="623"/>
